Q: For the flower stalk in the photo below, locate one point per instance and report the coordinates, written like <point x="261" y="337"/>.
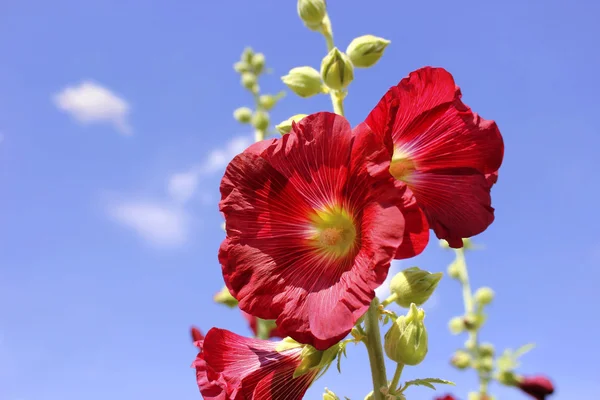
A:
<point x="375" y="350"/>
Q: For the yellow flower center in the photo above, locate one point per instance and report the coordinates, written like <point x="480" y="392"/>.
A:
<point x="333" y="231"/>
<point x="402" y="166"/>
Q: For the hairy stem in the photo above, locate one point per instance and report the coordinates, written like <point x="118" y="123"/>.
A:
<point x="396" y="378"/>
<point x="375" y="349"/>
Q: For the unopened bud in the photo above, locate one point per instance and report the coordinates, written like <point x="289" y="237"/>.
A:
<point x="484" y="364"/>
<point x="260" y="120"/>
<point x="457" y="325"/>
<point x="268" y="101"/>
<point x="474" y="321"/>
<point x="486" y="350"/>
<point x="454" y="269"/>
<point x="224" y="297"/>
<point x="365" y="51"/>
<point x="337" y="70"/>
<point x="461" y="359"/>
<point x="484" y="296"/>
<point x="248" y="80"/>
<point x="471" y="344"/>
<point x="247" y="55"/>
<point x="329" y="395"/>
<point x="312" y="12"/>
<point x="312" y="359"/>
<point x="243" y="115"/>
<point x="286" y="126"/>
<point x="304" y="81"/>
<point x="258" y="63"/>
<point x="406" y="340"/>
<point x="414" y="285"/>
<point x="241" y="67"/>
<point x="508" y="378"/>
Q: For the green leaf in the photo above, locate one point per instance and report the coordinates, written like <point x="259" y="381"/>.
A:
<point x="524" y="349"/>
<point x="426" y="382"/>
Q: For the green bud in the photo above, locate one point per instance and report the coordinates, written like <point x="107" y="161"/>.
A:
<point x="258" y="63"/>
<point x="304" y="81"/>
<point x="248" y="80"/>
<point x="268" y="101"/>
<point x="444" y="244"/>
<point x="224" y="297"/>
<point x="365" y="51"/>
<point x="247" y="55"/>
<point x="337" y="70"/>
<point x="457" y="325"/>
<point x="243" y="115"/>
<point x="454" y="269"/>
<point x="286" y="126"/>
<point x="312" y="359"/>
<point x="474" y="321"/>
<point x="484" y="364"/>
<point x="461" y="359"/>
<point x="471" y="344"/>
<point x="312" y="12"/>
<point x="260" y="120"/>
<point x="486" y="350"/>
<point x="508" y="378"/>
<point x="414" y="285"/>
<point x="406" y="340"/>
<point x="241" y="67"/>
<point x="484" y="296"/>
<point x="329" y="395"/>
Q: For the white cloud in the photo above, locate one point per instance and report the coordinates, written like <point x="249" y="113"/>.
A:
<point x="89" y="103"/>
<point x="383" y="291"/>
<point x="182" y="186"/>
<point x="159" y="224"/>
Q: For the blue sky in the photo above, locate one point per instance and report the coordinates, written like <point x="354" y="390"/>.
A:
<point x="109" y="228"/>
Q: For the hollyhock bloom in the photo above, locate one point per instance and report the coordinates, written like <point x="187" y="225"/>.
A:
<point x="447" y="155"/>
<point x="232" y="367"/>
<point x="446" y="397"/>
<point x="313" y="221"/>
<point x="253" y="322"/>
<point x="537" y="387"/>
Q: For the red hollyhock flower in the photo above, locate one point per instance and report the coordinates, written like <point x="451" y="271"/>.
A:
<point x="313" y="221"/>
<point x="232" y="367"/>
<point x="537" y="387"/>
<point x="445" y="153"/>
<point x="446" y="397"/>
<point x="253" y="322"/>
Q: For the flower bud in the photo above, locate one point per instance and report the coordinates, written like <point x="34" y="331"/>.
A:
<point x="457" y="325"/>
<point x="484" y="364"/>
<point x="224" y="297"/>
<point x="329" y="395"/>
<point x="243" y="115"/>
<point x="508" y="378"/>
<point x="241" y="67"/>
<point x="268" y="101"/>
<point x="286" y="126"/>
<point x="248" y="80"/>
<point x="315" y="359"/>
<point x="247" y="55"/>
<point x="337" y="70"/>
<point x="260" y="120"/>
<point x="414" y="285"/>
<point x="365" y="51"/>
<point x="406" y="340"/>
<point x="536" y="386"/>
<point x="258" y="63"/>
<point x="486" y="350"/>
<point x="454" y="269"/>
<point x="312" y="12"/>
<point x="484" y="296"/>
<point x="461" y="359"/>
<point x="471" y="344"/>
<point x="304" y="81"/>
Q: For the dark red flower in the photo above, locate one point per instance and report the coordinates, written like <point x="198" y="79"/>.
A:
<point x="196" y="334"/>
<point x="446" y="397"/>
<point x="232" y="367"/>
<point x="445" y="153"/>
<point x="253" y="322"/>
<point x="313" y="221"/>
<point x="537" y="387"/>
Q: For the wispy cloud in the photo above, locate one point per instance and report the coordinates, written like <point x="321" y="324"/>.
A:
<point x="166" y="222"/>
<point x="90" y="103"/>
<point x="161" y="225"/>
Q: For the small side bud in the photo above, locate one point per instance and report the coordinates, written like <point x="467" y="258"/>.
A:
<point x="484" y="364"/>
<point x="484" y="296"/>
<point x="248" y="80"/>
<point x="457" y="325"/>
<point x="406" y="341"/>
<point x="312" y="12"/>
<point x="365" y="51"/>
<point x="471" y="344"/>
<point x="454" y="269"/>
<point x="486" y="350"/>
<point x="268" y="101"/>
<point x="461" y="359"/>
<point x="243" y="115"/>
<point x="258" y="63"/>
<point x="247" y="55"/>
<point x="241" y="67"/>
<point x="508" y="378"/>
<point x="329" y="395"/>
<point x="337" y="70"/>
<point x="414" y="285"/>
<point x="260" y="120"/>
<point x="312" y="359"/>
<point x="304" y="81"/>
<point x="224" y="297"/>
<point x="286" y="126"/>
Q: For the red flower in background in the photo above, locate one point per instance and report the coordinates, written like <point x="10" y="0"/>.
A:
<point x="446" y="397"/>
<point x="447" y="155"/>
<point x="537" y="387"/>
<point x="253" y="322"/>
<point x="232" y="367"/>
<point x="313" y="221"/>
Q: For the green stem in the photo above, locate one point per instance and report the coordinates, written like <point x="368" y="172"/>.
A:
<point x="396" y="378"/>
<point x="259" y="134"/>
<point x="337" y="97"/>
<point x="337" y="100"/>
<point x="375" y="349"/>
<point x="389" y="300"/>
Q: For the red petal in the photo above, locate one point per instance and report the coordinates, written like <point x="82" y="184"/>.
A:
<point x="267" y="262"/>
<point x="442" y="136"/>
<point x="197" y="336"/>
<point x="416" y="230"/>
